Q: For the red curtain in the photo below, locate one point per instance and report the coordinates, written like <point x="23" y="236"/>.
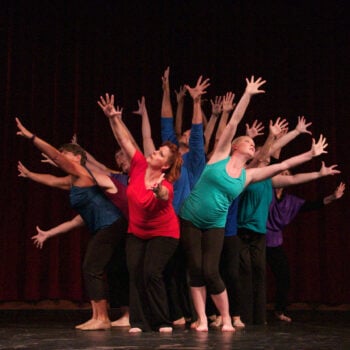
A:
<point x="56" y="62"/>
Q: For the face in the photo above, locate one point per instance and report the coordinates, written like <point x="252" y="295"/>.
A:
<point x="185" y="137"/>
<point x="245" y="145"/>
<point x="159" y="158"/>
<point x="71" y="156"/>
<point x="122" y="161"/>
<point x="285" y="172"/>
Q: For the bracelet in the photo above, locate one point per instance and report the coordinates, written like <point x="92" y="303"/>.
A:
<point x="33" y="138"/>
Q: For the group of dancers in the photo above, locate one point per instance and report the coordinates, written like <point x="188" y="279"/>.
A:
<point x="199" y="215"/>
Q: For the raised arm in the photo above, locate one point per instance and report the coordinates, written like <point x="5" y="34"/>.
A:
<point x="180" y="99"/>
<point x="119" y="130"/>
<point x="42" y="235"/>
<point x="148" y="144"/>
<point x="338" y="193"/>
<point x="216" y="109"/>
<point x="296" y="179"/>
<point x="54" y="154"/>
<point x="227" y="108"/>
<point x="223" y="147"/>
<point x="64" y="183"/>
<point x="301" y="128"/>
<point x="259" y="174"/>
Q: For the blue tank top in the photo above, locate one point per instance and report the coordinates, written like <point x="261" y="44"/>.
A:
<point x="94" y="207"/>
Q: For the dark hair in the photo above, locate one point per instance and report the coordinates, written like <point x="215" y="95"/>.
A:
<point x="76" y="150"/>
<point x="175" y="162"/>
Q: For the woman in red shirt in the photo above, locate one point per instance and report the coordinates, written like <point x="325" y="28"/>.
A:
<point x="153" y="225"/>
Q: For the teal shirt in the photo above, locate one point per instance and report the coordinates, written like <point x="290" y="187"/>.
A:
<point x="207" y="205"/>
<point x="254" y="206"/>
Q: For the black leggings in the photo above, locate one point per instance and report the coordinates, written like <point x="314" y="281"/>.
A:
<point x="203" y="249"/>
<point x="98" y="253"/>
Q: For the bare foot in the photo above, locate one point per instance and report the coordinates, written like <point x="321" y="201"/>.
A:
<point x="202" y="325"/>
<point x="283" y="317"/>
<point x="121" y="322"/>
<point x="179" y="322"/>
<point x="96" y="325"/>
<point x="237" y="322"/>
<point x="227" y="325"/>
<point x="217" y="322"/>
<point x="194" y="325"/>
<point x="135" y="330"/>
<point x="165" y="329"/>
<point x="79" y="326"/>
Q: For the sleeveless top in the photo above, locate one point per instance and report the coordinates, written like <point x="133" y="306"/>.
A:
<point x="207" y="205"/>
<point x="93" y="206"/>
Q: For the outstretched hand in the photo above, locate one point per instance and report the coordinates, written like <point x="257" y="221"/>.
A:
<point x="142" y="106"/>
<point x="278" y="127"/>
<point x="22" y="131"/>
<point x="40" y="238"/>
<point x="107" y="105"/>
<point x="216" y="105"/>
<point x="302" y="126"/>
<point x="254" y="130"/>
<point x="339" y="191"/>
<point x="254" y="85"/>
<point x="227" y="102"/>
<point x="23" y="171"/>
<point x="319" y="147"/>
<point x="325" y="171"/>
<point x="199" y="90"/>
<point x="180" y="95"/>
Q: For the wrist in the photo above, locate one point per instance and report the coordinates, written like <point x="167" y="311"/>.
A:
<point x="32" y="138"/>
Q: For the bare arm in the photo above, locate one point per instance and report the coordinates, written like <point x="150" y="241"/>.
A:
<point x="227" y="108"/>
<point x="290" y="180"/>
<point x="223" y="147"/>
<point x="166" y="110"/>
<point x="180" y="98"/>
<point x="42" y="235"/>
<point x="148" y="144"/>
<point x="64" y="183"/>
<point x="259" y="174"/>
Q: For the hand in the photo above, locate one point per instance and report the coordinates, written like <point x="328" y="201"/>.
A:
<point x="107" y="105"/>
<point x="255" y="130"/>
<point x="216" y="106"/>
<point x="339" y="191"/>
<point x="23" y="171"/>
<point x="276" y="129"/>
<point x="142" y="106"/>
<point x="156" y="186"/>
<point x="253" y="86"/>
<point x="74" y="139"/>
<point x="325" y="171"/>
<point x="40" y="238"/>
<point x="319" y="147"/>
<point x="283" y="132"/>
<point x="48" y="160"/>
<point x="227" y="102"/>
<point x="22" y="130"/>
<point x="165" y="79"/>
<point x="180" y="95"/>
<point x="199" y="89"/>
<point x="302" y="126"/>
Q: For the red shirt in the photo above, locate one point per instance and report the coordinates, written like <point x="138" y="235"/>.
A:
<point x="149" y="216"/>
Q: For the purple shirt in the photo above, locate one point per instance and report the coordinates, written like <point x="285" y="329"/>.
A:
<point x="281" y="213"/>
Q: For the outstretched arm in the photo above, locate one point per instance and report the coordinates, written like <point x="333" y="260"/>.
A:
<point x="223" y="147"/>
<point x="119" y="130"/>
<point x="259" y="174"/>
<point x="42" y="235"/>
<point x="290" y="180"/>
<point x="148" y="144"/>
<point x="180" y="98"/>
<point x="167" y="110"/>
<point x="64" y="183"/>
<point x="338" y="193"/>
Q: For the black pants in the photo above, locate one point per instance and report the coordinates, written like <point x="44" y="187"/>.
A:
<point x="98" y="253"/>
<point x="229" y="267"/>
<point x="177" y="285"/>
<point x="278" y="262"/>
<point x="146" y="261"/>
<point x="203" y="250"/>
<point x="253" y="276"/>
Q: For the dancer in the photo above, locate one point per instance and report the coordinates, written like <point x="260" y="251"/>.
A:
<point x="223" y="179"/>
<point x="153" y="225"/>
<point x="103" y="219"/>
<point x="283" y="209"/>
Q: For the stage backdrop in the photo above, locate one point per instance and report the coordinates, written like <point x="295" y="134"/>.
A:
<point x="56" y="60"/>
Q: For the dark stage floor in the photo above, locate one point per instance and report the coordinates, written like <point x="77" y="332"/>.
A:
<point x="54" y="329"/>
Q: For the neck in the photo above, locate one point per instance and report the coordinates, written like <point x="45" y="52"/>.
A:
<point x="279" y="192"/>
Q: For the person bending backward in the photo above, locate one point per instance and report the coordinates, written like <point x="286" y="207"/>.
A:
<point x="204" y="211"/>
<point x="153" y="225"/>
<point x="102" y="218"/>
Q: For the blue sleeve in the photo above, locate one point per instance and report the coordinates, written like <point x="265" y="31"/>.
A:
<point x="195" y="159"/>
<point x="167" y="130"/>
